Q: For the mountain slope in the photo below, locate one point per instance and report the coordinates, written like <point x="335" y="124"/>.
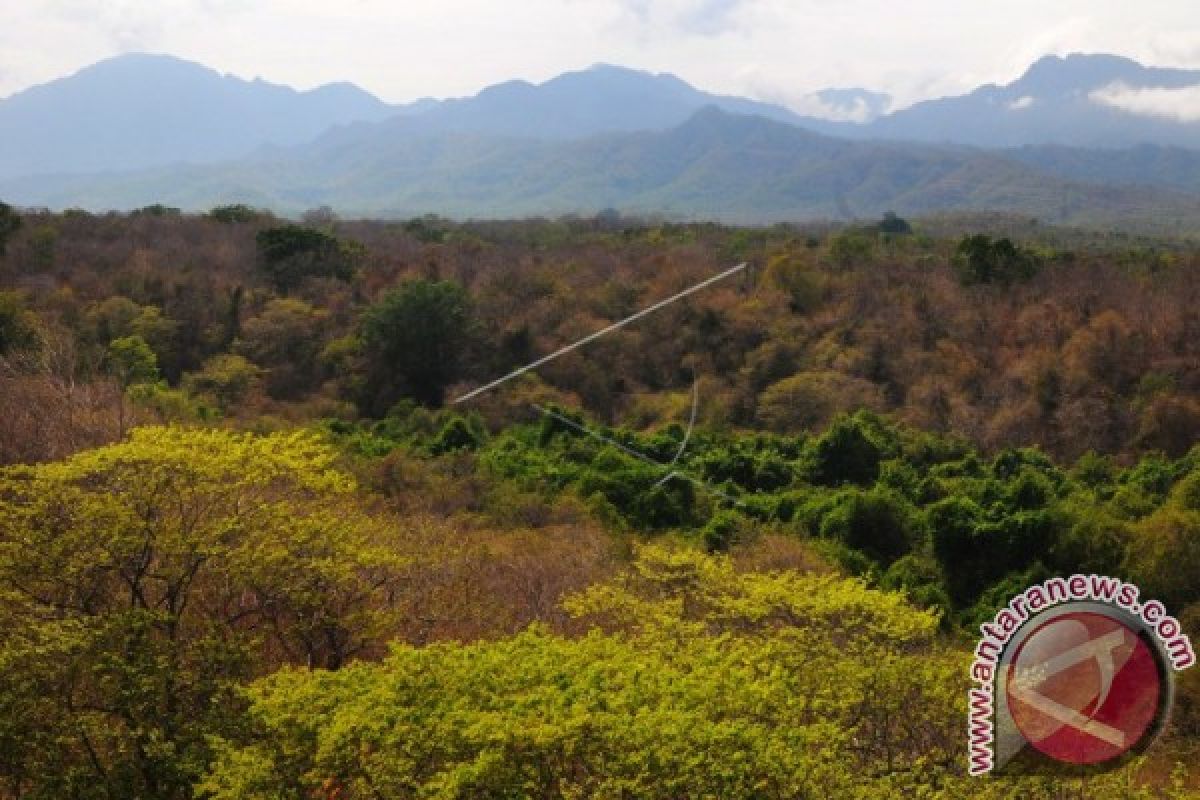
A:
<point x="137" y="111"/>
<point x="1144" y="165"/>
<point x="1080" y="100"/>
<point x="715" y="165"/>
<point x="142" y="111"/>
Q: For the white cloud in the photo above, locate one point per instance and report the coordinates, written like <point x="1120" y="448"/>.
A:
<point x="701" y="17"/>
<point x="811" y="105"/>
<point x="1021" y="103"/>
<point x="843" y="108"/>
<point x="1179" y="104"/>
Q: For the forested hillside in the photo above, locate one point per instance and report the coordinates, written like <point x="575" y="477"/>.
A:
<point x="250" y="547"/>
<point x="714" y="165"/>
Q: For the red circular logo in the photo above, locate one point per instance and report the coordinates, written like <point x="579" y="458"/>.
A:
<point x="1084" y="688"/>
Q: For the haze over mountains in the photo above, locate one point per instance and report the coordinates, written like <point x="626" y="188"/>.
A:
<point x="138" y="111"/>
<point x="137" y="130"/>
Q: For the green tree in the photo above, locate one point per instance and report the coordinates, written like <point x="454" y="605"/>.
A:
<point x="808" y="400"/>
<point x="156" y="210"/>
<point x="285" y="339"/>
<point x="849" y="452"/>
<point x="119" y="317"/>
<point x="894" y="225"/>
<point x="232" y="214"/>
<point x="851" y="248"/>
<point x="131" y="362"/>
<point x="954" y="523"/>
<point x="18" y="325"/>
<point x="979" y="259"/>
<point x="228" y="379"/>
<point x="289" y="254"/>
<point x="1186" y="493"/>
<point x="1164" y="556"/>
<point x="459" y="433"/>
<point x="921" y="577"/>
<point x="10" y="223"/>
<point x="798" y="279"/>
<point x="413" y="343"/>
<point x="878" y="522"/>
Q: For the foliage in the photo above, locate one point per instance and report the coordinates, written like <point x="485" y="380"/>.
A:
<point x="697" y="680"/>
<point x="413" y="341"/>
<point x="137" y="580"/>
<point x="235" y="213"/>
<point x="982" y="260"/>
<point x="804" y="285"/>
<point x="289" y="254"/>
<point x="18" y="325"/>
<point x="228" y="379"/>
<point x="809" y="400"/>
<point x="894" y="225"/>
<point x="913" y="510"/>
<point x="849" y="452"/>
<point x="725" y="685"/>
<point x="877" y="523"/>
<point x="221" y="554"/>
<point x="1164" y="556"/>
<point x="859" y="410"/>
<point x="890" y="331"/>
<point x="156" y="210"/>
<point x="851" y="248"/>
<point x="10" y="223"/>
<point x="131" y="361"/>
<point x="284" y="340"/>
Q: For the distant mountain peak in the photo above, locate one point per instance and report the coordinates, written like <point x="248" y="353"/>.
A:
<point x="1080" y="99"/>
<point x="505" y="87"/>
<point x="1076" y="73"/>
<point x="143" y="57"/>
<point x="604" y="66"/>
<point x="1081" y="73"/>
<point x="144" y="64"/>
<point x="618" y="74"/>
<point x="139" y="110"/>
<point x="600" y="99"/>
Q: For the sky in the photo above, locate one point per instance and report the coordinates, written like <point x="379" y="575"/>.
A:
<point x="776" y="50"/>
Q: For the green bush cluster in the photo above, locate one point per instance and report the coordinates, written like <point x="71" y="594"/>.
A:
<point x="913" y="510"/>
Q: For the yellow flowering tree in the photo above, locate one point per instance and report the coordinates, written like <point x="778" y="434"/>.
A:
<point x="139" y="581"/>
<point x="695" y="681"/>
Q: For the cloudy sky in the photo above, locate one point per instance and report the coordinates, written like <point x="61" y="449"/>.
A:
<point x="778" y="50"/>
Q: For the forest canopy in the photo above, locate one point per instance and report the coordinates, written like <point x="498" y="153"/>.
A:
<point x="250" y="548"/>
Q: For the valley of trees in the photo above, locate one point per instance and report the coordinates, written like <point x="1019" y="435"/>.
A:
<point x="250" y="548"/>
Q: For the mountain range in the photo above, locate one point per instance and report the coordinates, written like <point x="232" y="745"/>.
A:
<point x="1082" y="139"/>
<point x="137" y="111"/>
<point x="1081" y="100"/>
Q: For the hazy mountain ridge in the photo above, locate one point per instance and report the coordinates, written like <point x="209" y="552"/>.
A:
<point x="601" y="137"/>
<point x="601" y="99"/>
<point x="1059" y="100"/>
<point x="137" y="111"/>
<point x="716" y="165"/>
<point x="1056" y="101"/>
